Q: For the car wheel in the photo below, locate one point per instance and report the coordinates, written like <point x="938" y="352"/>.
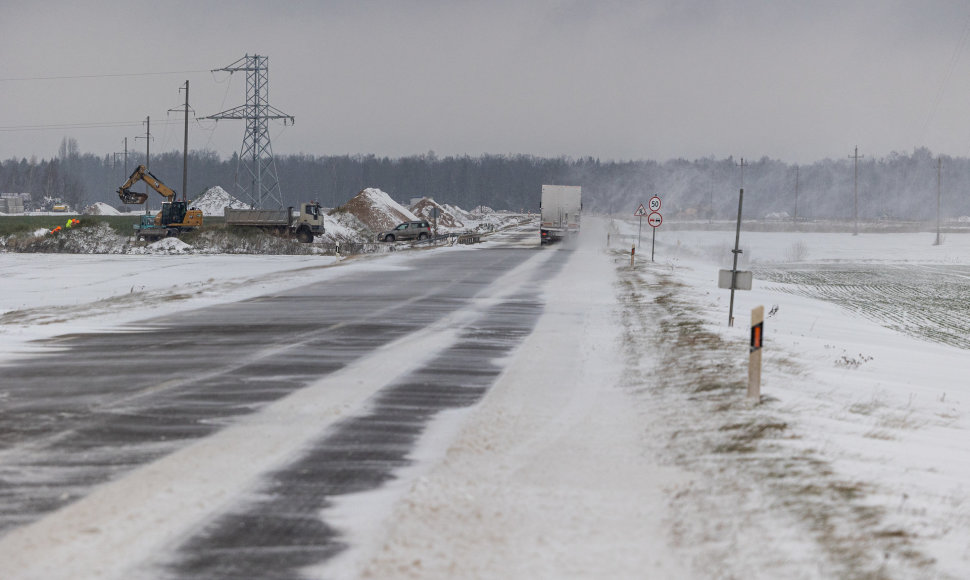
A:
<point x="389" y="238"/>
<point x="422" y="236"/>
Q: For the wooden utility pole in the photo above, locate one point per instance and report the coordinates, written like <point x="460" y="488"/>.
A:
<point x="148" y="149"/>
<point x="939" y="195"/>
<point x="125" y="154"/>
<point x="185" y="148"/>
<point x="855" y="189"/>
<point x="710" y="217"/>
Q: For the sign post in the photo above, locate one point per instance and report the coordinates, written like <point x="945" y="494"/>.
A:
<point x="654" y="220"/>
<point x="754" y="358"/>
<point x="737" y="250"/>
<point x="641" y="211"/>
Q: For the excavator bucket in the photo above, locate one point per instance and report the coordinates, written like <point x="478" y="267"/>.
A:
<point x="128" y="196"/>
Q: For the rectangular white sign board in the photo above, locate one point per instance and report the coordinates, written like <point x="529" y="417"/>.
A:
<point x="743" y="281"/>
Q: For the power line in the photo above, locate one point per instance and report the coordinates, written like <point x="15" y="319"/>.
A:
<point x="954" y="59"/>
<point x="92" y="125"/>
<point x="101" y="76"/>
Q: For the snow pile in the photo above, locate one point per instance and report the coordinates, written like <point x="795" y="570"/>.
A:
<point x="460" y="214"/>
<point x="446" y="220"/>
<point x="344" y="227"/>
<point x="488" y="220"/>
<point x="376" y="210"/>
<point x="100" y="208"/>
<point x="215" y="200"/>
<point x="170" y="246"/>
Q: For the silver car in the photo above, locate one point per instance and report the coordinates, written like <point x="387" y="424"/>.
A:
<point x="420" y="230"/>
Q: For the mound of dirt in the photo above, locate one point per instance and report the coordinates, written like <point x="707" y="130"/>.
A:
<point x="446" y="219"/>
<point x="376" y="210"/>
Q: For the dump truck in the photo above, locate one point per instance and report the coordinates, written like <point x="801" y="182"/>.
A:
<point x="304" y="225"/>
<point x="175" y="216"/>
<point x="561" y="207"/>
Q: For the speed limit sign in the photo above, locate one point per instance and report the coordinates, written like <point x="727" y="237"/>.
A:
<point x="654" y="203"/>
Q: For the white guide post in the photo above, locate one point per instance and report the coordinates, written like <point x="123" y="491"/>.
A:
<point x="754" y="360"/>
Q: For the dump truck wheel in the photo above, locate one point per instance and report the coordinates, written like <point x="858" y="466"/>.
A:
<point x="304" y="235"/>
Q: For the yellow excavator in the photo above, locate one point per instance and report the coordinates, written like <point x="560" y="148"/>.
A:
<point x="175" y="216"/>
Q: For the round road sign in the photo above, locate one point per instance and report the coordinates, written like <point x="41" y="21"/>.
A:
<point x="655" y="219"/>
<point x="654" y="203"/>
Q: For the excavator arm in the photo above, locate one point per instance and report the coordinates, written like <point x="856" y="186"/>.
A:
<point x="142" y="174"/>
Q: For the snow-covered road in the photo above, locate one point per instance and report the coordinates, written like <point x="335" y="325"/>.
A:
<point x="616" y="441"/>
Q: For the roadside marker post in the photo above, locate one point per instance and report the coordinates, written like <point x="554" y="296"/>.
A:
<point x="754" y="357"/>
<point x="633" y="253"/>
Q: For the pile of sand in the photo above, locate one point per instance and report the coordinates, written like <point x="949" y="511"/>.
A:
<point x="446" y="219"/>
<point x="376" y="210"/>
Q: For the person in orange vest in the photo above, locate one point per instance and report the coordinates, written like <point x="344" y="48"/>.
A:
<point x="55" y="230"/>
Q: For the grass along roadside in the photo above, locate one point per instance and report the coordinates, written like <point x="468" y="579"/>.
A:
<point x="763" y="502"/>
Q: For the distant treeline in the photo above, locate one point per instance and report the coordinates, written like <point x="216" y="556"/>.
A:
<point x="899" y="186"/>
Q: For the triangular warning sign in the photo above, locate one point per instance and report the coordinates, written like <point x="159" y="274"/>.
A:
<point x="641" y="211"/>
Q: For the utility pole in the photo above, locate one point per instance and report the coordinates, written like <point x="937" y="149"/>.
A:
<point x="795" y="217"/>
<point x="125" y="154"/>
<point x="737" y="248"/>
<point x="855" y="189"/>
<point x="185" y="147"/>
<point x="148" y="140"/>
<point x="710" y="215"/>
<point x="939" y="195"/>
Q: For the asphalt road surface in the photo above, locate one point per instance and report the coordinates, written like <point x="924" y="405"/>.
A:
<point x="101" y="407"/>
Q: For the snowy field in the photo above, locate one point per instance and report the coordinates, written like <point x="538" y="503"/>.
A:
<point x="862" y="434"/>
<point x="617" y="443"/>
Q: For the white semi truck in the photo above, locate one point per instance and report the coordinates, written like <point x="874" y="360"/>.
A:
<point x="561" y="207"/>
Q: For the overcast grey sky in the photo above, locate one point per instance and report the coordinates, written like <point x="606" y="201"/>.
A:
<point x="614" y="79"/>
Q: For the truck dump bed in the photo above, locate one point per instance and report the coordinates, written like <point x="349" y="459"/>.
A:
<point x="257" y="217"/>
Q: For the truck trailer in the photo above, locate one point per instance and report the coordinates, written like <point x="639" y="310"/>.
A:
<point x="284" y="222"/>
<point x="561" y="208"/>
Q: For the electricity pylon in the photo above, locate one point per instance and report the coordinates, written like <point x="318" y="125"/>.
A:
<point x="256" y="154"/>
